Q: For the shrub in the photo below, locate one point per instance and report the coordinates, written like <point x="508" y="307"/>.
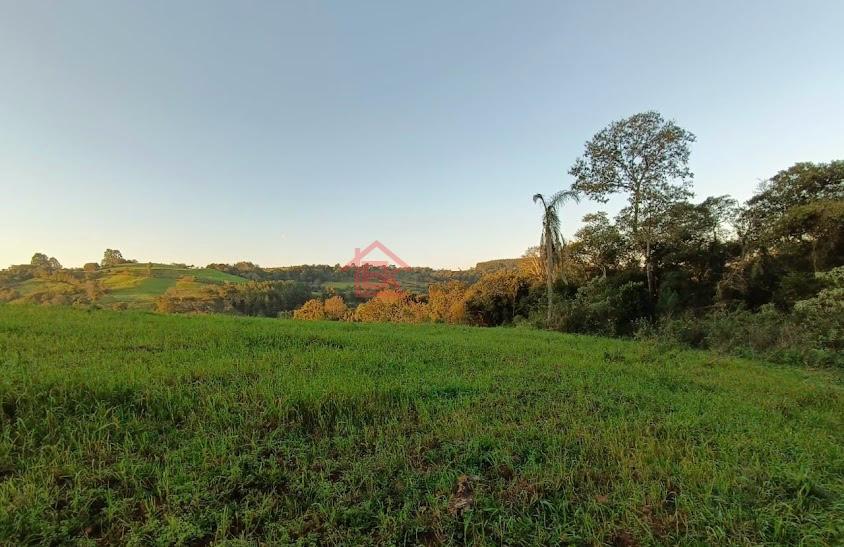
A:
<point x="812" y="334"/>
<point x="446" y="302"/>
<point x="392" y="306"/>
<point x="173" y="302"/>
<point x="312" y="310"/>
<point x="267" y="298"/>
<point x="7" y="295"/>
<point x="603" y="307"/>
<point x="496" y="298"/>
<point x="335" y="308"/>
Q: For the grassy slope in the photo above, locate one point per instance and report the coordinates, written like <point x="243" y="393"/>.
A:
<point x="135" y="427"/>
<point x="136" y="284"/>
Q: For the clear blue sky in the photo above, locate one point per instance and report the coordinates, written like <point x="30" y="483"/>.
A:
<point x="293" y="132"/>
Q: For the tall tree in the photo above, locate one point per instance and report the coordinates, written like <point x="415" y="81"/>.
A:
<point x="599" y="245"/>
<point x="40" y="260"/>
<point x="790" y="230"/>
<point x="112" y="257"/>
<point x="551" y="241"/>
<point x="799" y="212"/>
<point x="645" y="157"/>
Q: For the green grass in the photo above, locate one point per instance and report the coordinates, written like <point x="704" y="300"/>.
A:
<point x="136" y="285"/>
<point x="151" y="429"/>
<point x="339" y="285"/>
<point x="164" y="271"/>
<point x="145" y="289"/>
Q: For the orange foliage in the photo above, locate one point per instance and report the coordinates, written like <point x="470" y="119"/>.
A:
<point x="312" y="310"/>
<point x="392" y="306"/>
<point x="335" y="308"/>
<point x="446" y="302"/>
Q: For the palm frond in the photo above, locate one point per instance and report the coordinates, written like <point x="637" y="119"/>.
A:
<point x="552" y="220"/>
<point x="563" y="196"/>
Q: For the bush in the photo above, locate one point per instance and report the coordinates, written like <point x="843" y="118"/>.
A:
<point x="497" y="298"/>
<point x="603" y="307"/>
<point x="446" y="302"/>
<point x="312" y="310"/>
<point x="171" y="302"/>
<point x="812" y="334"/>
<point x="267" y="298"/>
<point x="335" y="309"/>
<point x="7" y="295"/>
<point x="392" y="306"/>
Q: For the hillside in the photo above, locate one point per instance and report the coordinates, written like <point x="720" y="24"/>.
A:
<point x="141" y="284"/>
<point x="490" y="266"/>
<point x="138" y="285"/>
<point x="162" y="429"/>
<point x="134" y="285"/>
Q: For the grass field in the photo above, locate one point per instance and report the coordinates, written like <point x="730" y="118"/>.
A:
<point x="140" y="428"/>
<point x="204" y="275"/>
<point x="136" y="285"/>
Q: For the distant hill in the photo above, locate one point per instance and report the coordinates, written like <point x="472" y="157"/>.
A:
<point x="138" y="285"/>
<point x="341" y="280"/>
<point x="490" y="266"/>
<point x="142" y="283"/>
<point x="133" y="285"/>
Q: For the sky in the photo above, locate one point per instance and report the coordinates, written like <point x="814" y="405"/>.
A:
<point x="292" y="132"/>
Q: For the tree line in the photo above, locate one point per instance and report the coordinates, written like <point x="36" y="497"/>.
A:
<point x="763" y="278"/>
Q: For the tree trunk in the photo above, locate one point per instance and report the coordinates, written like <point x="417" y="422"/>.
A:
<point x="636" y="200"/>
<point x="649" y="270"/>
<point x="549" y="282"/>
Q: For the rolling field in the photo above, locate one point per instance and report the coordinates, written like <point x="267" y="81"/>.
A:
<point x="137" y="285"/>
<point x="134" y="285"/>
<point x="137" y="428"/>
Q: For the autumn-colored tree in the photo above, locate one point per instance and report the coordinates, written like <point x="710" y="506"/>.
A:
<point x="312" y="310"/>
<point x="91" y="267"/>
<point x="335" y="308"/>
<point x="530" y="264"/>
<point x="446" y="303"/>
<point x="392" y="306"/>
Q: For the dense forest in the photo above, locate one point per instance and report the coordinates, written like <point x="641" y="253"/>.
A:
<point x="761" y="278"/>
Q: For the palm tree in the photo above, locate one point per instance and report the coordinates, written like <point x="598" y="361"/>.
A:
<point x="551" y="243"/>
